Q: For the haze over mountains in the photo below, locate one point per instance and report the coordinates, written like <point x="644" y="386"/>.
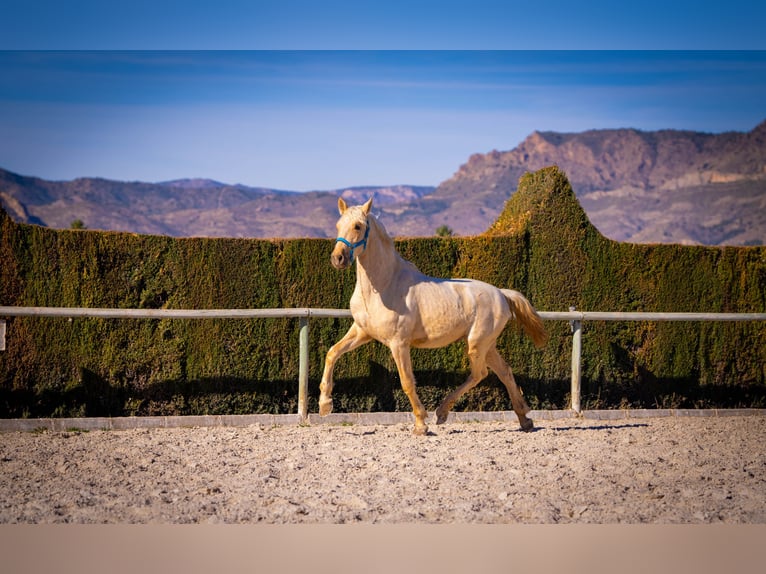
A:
<point x="665" y="186"/>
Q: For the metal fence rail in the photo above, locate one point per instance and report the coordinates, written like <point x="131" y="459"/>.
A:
<point x="576" y="319"/>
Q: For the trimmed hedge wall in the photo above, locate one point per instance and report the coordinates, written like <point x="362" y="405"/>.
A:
<point x="542" y="244"/>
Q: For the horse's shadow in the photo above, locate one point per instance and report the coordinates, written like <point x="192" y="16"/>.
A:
<point x="601" y="427"/>
<point x="557" y="429"/>
<point x="490" y="431"/>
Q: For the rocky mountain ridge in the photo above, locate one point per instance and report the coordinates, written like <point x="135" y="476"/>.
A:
<point x="666" y="186"/>
<point x="600" y="160"/>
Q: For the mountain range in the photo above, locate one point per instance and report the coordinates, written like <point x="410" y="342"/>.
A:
<point x="666" y="186"/>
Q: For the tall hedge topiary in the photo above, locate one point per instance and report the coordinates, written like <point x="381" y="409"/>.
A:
<point x="644" y="364"/>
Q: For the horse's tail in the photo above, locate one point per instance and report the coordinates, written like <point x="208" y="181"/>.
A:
<point x="526" y="316"/>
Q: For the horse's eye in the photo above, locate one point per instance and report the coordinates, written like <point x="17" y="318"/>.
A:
<point x="357" y="227"/>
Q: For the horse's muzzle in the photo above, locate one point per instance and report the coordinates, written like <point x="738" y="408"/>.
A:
<point x="340" y="258"/>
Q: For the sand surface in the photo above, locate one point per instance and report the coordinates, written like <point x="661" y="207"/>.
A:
<point x="662" y="470"/>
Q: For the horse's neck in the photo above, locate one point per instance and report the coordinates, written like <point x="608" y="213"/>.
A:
<point x="380" y="263"/>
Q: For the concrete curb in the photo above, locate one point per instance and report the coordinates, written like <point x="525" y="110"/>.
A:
<point x="125" y="423"/>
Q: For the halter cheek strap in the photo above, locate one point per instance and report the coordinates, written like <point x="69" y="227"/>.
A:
<point x="352" y="246"/>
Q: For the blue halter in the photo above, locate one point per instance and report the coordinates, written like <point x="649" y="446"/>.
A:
<point x="352" y="246"/>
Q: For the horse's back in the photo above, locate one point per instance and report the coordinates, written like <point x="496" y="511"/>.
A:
<point x="452" y="309"/>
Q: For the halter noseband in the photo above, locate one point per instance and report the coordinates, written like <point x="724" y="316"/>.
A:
<point x="352" y="246"/>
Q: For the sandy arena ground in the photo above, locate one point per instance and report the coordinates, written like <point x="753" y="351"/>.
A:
<point x="657" y="470"/>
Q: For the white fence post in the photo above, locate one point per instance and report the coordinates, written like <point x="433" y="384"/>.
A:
<point x="303" y="368"/>
<point x="576" y="361"/>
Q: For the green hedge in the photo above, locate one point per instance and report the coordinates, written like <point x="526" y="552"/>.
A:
<point x="542" y="244"/>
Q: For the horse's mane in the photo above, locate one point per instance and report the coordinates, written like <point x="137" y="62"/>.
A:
<point x="381" y="229"/>
<point x="388" y="241"/>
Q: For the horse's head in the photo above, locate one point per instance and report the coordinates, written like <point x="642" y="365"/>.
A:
<point x="353" y="230"/>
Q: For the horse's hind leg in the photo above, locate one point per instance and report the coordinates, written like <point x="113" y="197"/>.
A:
<point x="503" y="371"/>
<point x="478" y="372"/>
<point x="351" y="340"/>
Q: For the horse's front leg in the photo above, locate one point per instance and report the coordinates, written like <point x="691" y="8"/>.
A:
<point x="351" y="340"/>
<point x="401" y="353"/>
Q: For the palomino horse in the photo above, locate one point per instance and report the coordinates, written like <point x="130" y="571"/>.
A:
<point x="399" y="306"/>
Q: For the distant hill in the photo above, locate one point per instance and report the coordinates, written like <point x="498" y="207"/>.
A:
<point x="186" y="207"/>
<point x="665" y="186"/>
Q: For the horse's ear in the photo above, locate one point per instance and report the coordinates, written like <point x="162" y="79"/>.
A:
<point x="367" y="206"/>
<point x="342" y="207"/>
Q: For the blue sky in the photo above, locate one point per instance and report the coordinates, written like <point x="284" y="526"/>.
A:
<point x="150" y="95"/>
<point x="382" y="24"/>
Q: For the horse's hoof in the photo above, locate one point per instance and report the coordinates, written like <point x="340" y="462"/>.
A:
<point x="420" y="431"/>
<point x="527" y="425"/>
<point x="441" y="418"/>
<point x="325" y="407"/>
